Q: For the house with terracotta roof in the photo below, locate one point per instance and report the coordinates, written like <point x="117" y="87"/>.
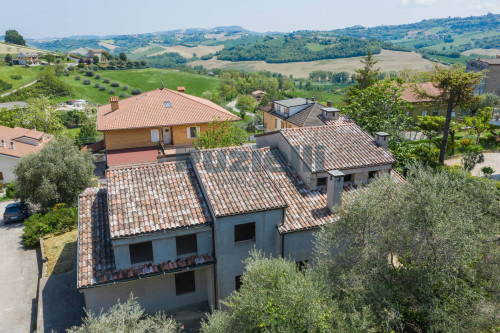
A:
<point x="491" y="83"/>
<point x="258" y="94"/>
<point x="16" y="143"/>
<point x="161" y="122"/>
<point x="176" y="233"/>
<point x="99" y="53"/>
<point x="300" y="112"/>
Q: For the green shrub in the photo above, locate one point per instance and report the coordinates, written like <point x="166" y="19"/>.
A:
<point x="60" y="219"/>
<point x="136" y="91"/>
<point x="122" y="95"/>
<point x="125" y="87"/>
<point x="16" y="77"/>
<point x="89" y="73"/>
<point x="10" y="190"/>
<point x="98" y="76"/>
<point x="103" y="88"/>
<point x="86" y="82"/>
<point x="4" y="86"/>
<point x="112" y="91"/>
<point x="115" y="84"/>
<point x="97" y="85"/>
<point x="105" y="80"/>
<point x="77" y="77"/>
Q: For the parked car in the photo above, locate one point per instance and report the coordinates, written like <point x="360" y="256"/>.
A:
<point x="18" y="211"/>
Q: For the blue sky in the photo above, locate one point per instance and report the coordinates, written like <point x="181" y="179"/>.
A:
<point x="58" y="18"/>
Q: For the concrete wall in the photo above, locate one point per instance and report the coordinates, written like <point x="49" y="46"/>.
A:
<point x="492" y="82"/>
<point x="230" y="255"/>
<point x="164" y="245"/>
<point x="7" y="164"/>
<point x="154" y="293"/>
<point x="299" y="245"/>
<point x="179" y="134"/>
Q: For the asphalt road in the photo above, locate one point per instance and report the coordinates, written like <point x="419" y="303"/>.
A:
<point x="18" y="279"/>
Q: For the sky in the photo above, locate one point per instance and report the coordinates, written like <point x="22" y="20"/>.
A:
<point x="62" y="18"/>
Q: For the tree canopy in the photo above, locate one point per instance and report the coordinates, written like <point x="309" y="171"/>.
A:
<point x="220" y="134"/>
<point x="13" y="37"/>
<point x="56" y="174"/>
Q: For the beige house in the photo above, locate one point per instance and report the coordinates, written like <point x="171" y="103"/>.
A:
<point x="155" y="124"/>
<point x="491" y="84"/>
<point x="97" y="52"/>
<point x="258" y="94"/>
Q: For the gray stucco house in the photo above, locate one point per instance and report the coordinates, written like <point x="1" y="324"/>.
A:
<point x="175" y="233"/>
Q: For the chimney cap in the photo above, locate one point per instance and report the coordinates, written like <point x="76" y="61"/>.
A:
<point x="382" y="134"/>
<point x="113" y="99"/>
<point x="336" y="173"/>
<point x="181" y="89"/>
<point x="329" y="109"/>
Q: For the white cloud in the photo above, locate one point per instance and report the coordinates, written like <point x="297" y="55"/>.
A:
<point x="489" y="6"/>
<point x="417" y="2"/>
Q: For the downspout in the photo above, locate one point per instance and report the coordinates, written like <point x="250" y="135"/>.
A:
<point x="216" y="307"/>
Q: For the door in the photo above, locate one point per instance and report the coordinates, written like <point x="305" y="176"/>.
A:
<point x="167" y="135"/>
<point x="278" y="124"/>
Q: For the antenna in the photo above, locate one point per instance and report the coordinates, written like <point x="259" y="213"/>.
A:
<point x="162" y="85"/>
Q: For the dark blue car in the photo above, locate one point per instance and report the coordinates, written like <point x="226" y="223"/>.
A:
<point x="17" y="211"/>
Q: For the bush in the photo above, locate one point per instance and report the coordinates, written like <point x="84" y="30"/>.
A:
<point x="105" y="80"/>
<point x="97" y="85"/>
<point x="122" y="95"/>
<point x="125" y="87"/>
<point x="81" y="65"/>
<point x="98" y="76"/>
<point x="136" y="91"/>
<point x="10" y="190"/>
<point x="16" y="77"/>
<point x="115" y="84"/>
<point x="112" y="91"/>
<point x="86" y="82"/>
<point x="4" y="86"/>
<point x="66" y="72"/>
<point x="58" y="220"/>
<point x="89" y="73"/>
<point x="103" y="88"/>
<point x="77" y="78"/>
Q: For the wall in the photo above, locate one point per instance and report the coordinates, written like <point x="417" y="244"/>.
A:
<point x="299" y="245"/>
<point x="179" y="134"/>
<point x="492" y="84"/>
<point x="270" y="124"/>
<point x="7" y="164"/>
<point x="154" y="293"/>
<point x="230" y="254"/>
<point x="132" y="138"/>
<point x="164" y="245"/>
<point x="418" y="108"/>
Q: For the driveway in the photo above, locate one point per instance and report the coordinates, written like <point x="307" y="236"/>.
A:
<point x="490" y="159"/>
<point x="19" y="273"/>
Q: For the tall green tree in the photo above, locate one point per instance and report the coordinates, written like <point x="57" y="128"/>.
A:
<point x="456" y="89"/>
<point x="8" y="59"/>
<point x="421" y="256"/>
<point x="41" y="113"/>
<point x="126" y="317"/>
<point x="56" y="174"/>
<point x="366" y="76"/>
<point x="431" y="126"/>
<point x="88" y="130"/>
<point x="13" y="37"/>
<point x="50" y="58"/>
<point x="220" y="134"/>
<point x="247" y="103"/>
<point x="123" y="56"/>
<point x="480" y="122"/>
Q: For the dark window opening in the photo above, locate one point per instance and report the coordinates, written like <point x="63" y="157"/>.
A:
<point x="302" y="265"/>
<point x="347" y="178"/>
<point x="184" y="283"/>
<point x="238" y="282"/>
<point x="141" y="252"/>
<point x="321" y="181"/>
<point x="244" y="232"/>
<point x="186" y="244"/>
<point x="372" y="174"/>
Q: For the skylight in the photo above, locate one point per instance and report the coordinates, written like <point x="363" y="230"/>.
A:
<point x="168" y="104"/>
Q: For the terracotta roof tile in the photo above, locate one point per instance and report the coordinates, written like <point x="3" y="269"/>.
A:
<point x="20" y="149"/>
<point x="149" y="110"/>
<point x="411" y="96"/>
<point x="154" y="197"/>
<point x="344" y="147"/>
<point x="96" y="262"/>
<point x="235" y="182"/>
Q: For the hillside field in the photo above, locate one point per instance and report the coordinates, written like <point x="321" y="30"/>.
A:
<point x="187" y="52"/>
<point x="13" y="49"/>
<point x="387" y="61"/>
<point x="144" y="79"/>
<point x="27" y="75"/>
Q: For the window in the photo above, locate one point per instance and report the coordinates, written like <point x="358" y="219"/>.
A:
<point x="244" y="232"/>
<point x="155" y="135"/>
<point x="320" y="181"/>
<point x="141" y="252"/>
<point x="348" y="178"/>
<point x="435" y="112"/>
<point x="238" y="282"/>
<point x="287" y="111"/>
<point x="184" y="283"/>
<point x="168" y="104"/>
<point x="193" y="132"/>
<point x="424" y="113"/>
<point x="186" y="244"/>
<point x="372" y="174"/>
<point x="453" y="113"/>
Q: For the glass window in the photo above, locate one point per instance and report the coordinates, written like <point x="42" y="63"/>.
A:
<point x="141" y="252"/>
<point x="244" y="232"/>
<point x="186" y="244"/>
<point x="321" y="181"/>
<point x="184" y="283"/>
<point x="424" y="113"/>
<point x="348" y="178"/>
<point x="193" y="132"/>
<point x="155" y="136"/>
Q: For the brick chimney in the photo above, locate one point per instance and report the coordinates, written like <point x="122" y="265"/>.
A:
<point x="382" y="139"/>
<point x="12" y="145"/>
<point x="3" y="143"/>
<point x="313" y="99"/>
<point x="272" y="106"/>
<point x="334" y="189"/>
<point x="114" y="103"/>
<point x="181" y="89"/>
<point x="329" y="104"/>
<point x="330" y="113"/>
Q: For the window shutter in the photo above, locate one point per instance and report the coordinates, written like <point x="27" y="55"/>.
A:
<point x="155" y="136"/>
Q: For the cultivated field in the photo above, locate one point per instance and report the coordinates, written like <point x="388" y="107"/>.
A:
<point x="27" y="75"/>
<point x="487" y="52"/>
<point x="187" y="52"/>
<point x="387" y="61"/>
<point x="14" y="49"/>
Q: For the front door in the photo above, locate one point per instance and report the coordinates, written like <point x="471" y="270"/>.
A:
<point x="167" y="135"/>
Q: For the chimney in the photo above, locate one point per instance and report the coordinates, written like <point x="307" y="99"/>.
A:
<point x="272" y="106"/>
<point x="12" y="145"/>
<point x="330" y="113"/>
<point x="114" y="103"/>
<point x="313" y="99"/>
<point x="181" y="89"/>
<point x="382" y="139"/>
<point x="3" y="143"/>
<point x="334" y="189"/>
<point x="307" y="100"/>
<point x="329" y="104"/>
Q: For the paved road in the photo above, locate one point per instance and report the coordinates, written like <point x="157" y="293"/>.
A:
<point x="232" y="105"/>
<point x="18" y="279"/>
<point x="490" y="159"/>
<point x="13" y="91"/>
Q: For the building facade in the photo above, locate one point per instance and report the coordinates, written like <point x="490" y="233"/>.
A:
<point x="491" y="83"/>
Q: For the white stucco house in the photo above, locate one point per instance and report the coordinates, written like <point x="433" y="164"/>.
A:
<point x="16" y="143"/>
<point x="175" y="233"/>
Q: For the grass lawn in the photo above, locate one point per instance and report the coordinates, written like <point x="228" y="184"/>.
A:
<point x="27" y="75"/>
<point x="72" y="132"/>
<point x="61" y="252"/>
<point x="143" y="79"/>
